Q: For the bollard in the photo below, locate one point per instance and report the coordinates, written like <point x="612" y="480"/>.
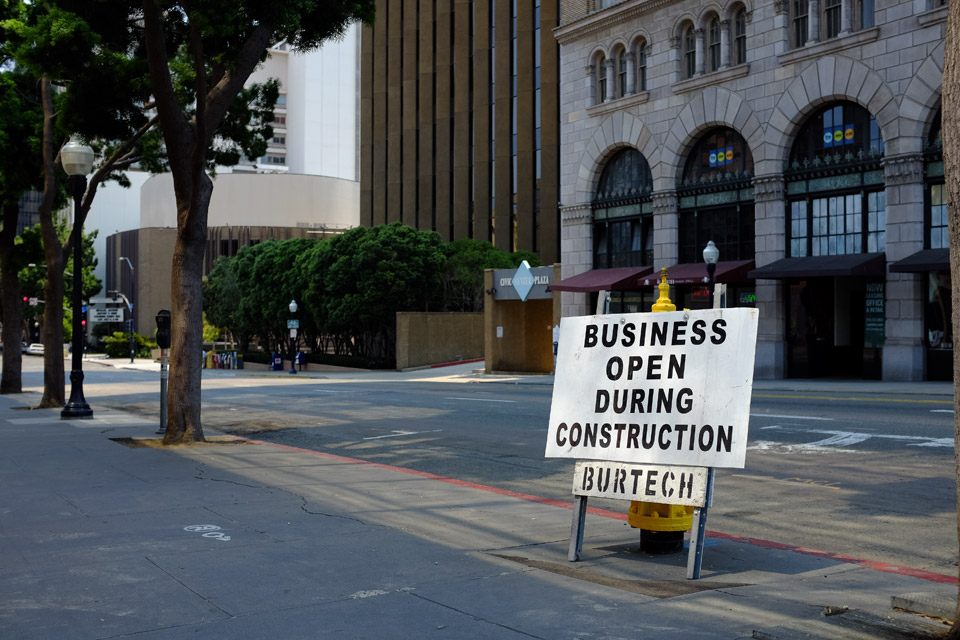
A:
<point x="661" y="525"/>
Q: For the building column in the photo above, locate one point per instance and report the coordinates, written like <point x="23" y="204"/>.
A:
<point x="666" y="236"/>
<point x="700" y="52"/>
<point x="904" y="353"/>
<point x="592" y="83"/>
<point x="608" y="68"/>
<point x="769" y="210"/>
<point x="631" y="73"/>
<point x="846" y="17"/>
<point x="724" y="44"/>
<point x="576" y="228"/>
<point x="813" y="21"/>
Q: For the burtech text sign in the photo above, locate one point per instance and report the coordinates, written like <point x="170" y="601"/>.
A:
<point x="654" y="388"/>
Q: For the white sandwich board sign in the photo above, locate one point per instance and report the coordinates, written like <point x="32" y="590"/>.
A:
<point x="667" y="388"/>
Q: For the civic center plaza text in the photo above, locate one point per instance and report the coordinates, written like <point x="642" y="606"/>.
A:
<point x="661" y="388"/>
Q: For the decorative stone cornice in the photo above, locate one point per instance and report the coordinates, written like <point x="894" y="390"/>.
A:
<point x="664" y="202"/>
<point x="905" y="169"/>
<point x="781" y="6"/>
<point x="768" y="188"/>
<point x="576" y="214"/>
<point x="607" y="18"/>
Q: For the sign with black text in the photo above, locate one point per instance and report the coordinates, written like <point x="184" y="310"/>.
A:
<point x="648" y="483"/>
<point x="106" y="314"/>
<point x="654" y="388"/>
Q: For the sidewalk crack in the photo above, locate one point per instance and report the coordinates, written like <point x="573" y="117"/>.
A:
<point x="476" y="617"/>
<point x="190" y="589"/>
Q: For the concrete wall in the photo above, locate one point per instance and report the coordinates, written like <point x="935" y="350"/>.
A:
<point x="526" y="343"/>
<point x="260" y="200"/>
<point x="432" y="338"/>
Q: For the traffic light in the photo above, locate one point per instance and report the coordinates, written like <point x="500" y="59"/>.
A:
<point x="26" y="299"/>
<point x="83" y="323"/>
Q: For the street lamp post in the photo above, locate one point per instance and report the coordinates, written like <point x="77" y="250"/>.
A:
<point x="293" y="336"/>
<point x="77" y="161"/>
<point x="710" y="255"/>
<point x="129" y="308"/>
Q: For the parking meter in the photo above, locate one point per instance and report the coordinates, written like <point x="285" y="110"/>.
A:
<point x="163" y="329"/>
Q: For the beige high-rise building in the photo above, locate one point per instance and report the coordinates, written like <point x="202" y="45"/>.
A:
<point x="459" y="125"/>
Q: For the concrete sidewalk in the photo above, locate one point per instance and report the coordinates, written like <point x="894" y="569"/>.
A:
<point x="101" y="540"/>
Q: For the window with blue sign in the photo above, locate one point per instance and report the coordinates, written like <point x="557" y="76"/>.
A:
<point x="835" y="185"/>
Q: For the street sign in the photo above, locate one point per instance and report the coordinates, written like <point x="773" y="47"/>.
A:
<point x="293" y="333"/>
<point x="106" y="314"/>
<point x="654" y="388"/>
<point x="293" y="324"/>
<point x="34" y="301"/>
<point x="84" y="308"/>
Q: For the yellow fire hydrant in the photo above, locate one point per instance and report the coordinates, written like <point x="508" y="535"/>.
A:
<point x="661" y="525"/>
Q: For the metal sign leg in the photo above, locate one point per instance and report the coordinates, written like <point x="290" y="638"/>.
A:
<point x="576" y="528"/>
<point x="698" y="532"/>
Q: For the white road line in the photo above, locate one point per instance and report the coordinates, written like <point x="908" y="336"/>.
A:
<point x="774" y="415"/>
<point x="482" y="400"/>
<point x="845" y="438"/>
<point x="941" y="410"/>
<point x="397" y="434"/>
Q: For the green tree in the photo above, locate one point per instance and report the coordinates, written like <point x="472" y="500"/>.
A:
<point x="951" y="161"/>
<point x="221" y="44"/>
<point x="375" y="273"/>
<point x="20" y="125"/>
<point x="466" y="260"/>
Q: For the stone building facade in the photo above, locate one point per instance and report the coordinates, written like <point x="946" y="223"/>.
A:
<point x="801" y="136"/>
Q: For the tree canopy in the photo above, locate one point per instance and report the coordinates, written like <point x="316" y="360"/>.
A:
<point x="348" y="288"/>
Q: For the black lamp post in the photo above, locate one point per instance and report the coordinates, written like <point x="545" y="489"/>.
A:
<point x="77" y="161"/>
<point x="710" y="255"/>
<point x="293" y="338"/>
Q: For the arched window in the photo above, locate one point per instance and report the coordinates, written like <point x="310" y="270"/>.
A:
<point x="689" y="52"/>
<point x="713" y="44"/>
<point x="642" y="66"/>
<point x="798" y="22"/>
<point x="601" y="72"/>
<point x="831" y="18"/>
<point x="716" y="198"/>
<point x="837" y="202"/>
<point x="623" y="212"/>
<point x="720" y="155"/>
<point x="740" y="36"/>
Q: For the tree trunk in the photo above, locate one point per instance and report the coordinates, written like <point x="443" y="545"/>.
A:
<point x="53" y="370"/>
<point x="183" y="388"/>
<point x="10" y="378"/>
<point x="951" y="156"/>
<point x="53" y="384"/>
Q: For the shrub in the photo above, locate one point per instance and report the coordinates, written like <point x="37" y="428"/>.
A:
<point x="118" y="345"/>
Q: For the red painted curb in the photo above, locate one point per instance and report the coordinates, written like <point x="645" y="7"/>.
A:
<point x="613" y="515"/>
<point x="450" y="364"/>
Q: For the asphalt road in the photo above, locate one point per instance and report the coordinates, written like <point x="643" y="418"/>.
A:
<point x="862" y="475"/>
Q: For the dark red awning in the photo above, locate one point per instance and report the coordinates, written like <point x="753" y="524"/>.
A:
<point x="696" y="273"/>
<point x="854" y="264"/>
<point x="921" y="261"/>
<point x="618" y="279"/>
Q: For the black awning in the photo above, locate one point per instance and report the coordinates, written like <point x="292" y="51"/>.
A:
<point x="857" y="264"/>
<point x="926" y="260"/>
<point x="617" y="279"/>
